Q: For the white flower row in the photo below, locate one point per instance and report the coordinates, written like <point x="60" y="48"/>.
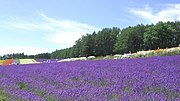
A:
<point x="76" y="59"/>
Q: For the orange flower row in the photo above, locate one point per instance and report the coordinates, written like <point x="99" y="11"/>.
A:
<point x="6" y="62"/>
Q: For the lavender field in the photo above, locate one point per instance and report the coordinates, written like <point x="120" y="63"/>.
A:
<point x="138" y="79"/>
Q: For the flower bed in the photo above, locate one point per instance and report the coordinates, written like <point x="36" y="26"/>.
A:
<point x="140" y="79"/>
<point x="6" y="62"/>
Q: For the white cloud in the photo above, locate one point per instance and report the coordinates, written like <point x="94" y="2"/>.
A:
<point x="171" y="12"/>
<point x="23" y="49"/>
<point x="62" y="32"/>
<point x="65" y="38"/>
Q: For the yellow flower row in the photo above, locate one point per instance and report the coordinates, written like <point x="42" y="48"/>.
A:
<point x="1" y="61"/>
<point x="174" y="49"/>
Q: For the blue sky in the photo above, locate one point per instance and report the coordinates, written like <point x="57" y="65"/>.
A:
<point x="38" y="26"/>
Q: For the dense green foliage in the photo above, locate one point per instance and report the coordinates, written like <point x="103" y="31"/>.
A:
<point x="131" y="39"/>
<point x="162" y="35"/>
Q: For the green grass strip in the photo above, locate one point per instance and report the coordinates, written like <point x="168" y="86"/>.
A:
<point x="4" y="96"/>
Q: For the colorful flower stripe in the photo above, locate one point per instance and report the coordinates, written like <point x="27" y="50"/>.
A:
<point x="148" y="53"/>
<point x="6" y="62"/>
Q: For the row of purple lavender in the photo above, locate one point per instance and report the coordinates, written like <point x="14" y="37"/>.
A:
<point x="139" y="79"/>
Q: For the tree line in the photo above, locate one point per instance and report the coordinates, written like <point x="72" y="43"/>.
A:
<point x="111" y="41"/>
<point x="23" y="56"/>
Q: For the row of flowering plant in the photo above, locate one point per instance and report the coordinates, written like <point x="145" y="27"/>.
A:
<point x="140" y="79"/>
<point x="79" y="58"/>
<point x="6" y="62"/>
<point x="1" y="62"/>
<point x="148" y="53"/>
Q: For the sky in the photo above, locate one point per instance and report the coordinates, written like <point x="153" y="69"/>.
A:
<point x="40" y="26"/>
